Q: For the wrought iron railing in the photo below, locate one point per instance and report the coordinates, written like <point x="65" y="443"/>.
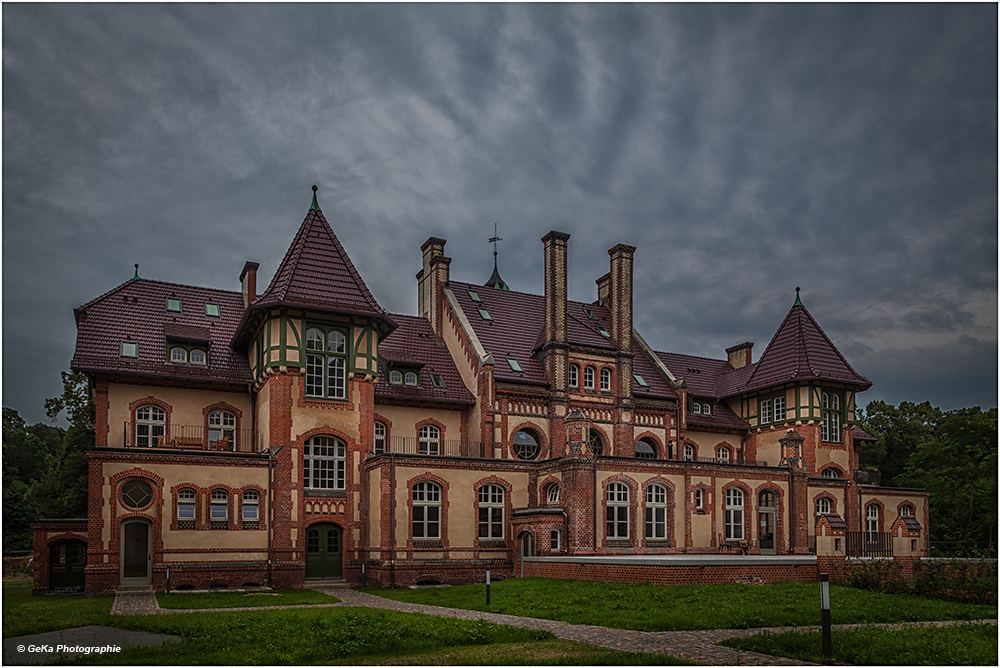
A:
<point x="869" y="544"/>
<point x="410" y="445"/>
<point x="190" y="437"/>
<point x="716" y="460"/>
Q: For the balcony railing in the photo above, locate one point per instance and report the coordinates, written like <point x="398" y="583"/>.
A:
<point x="409" y="445"/>
<point x="869" y="544"/>
<point x="716" y="460"/>
<point x="190" y="437"/>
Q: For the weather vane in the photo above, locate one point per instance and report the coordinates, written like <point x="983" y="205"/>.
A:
<point x="494" y="241"/>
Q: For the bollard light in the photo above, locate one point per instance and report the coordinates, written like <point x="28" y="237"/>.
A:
<point x="824" y="603"/>
<point x="487" y="586"/>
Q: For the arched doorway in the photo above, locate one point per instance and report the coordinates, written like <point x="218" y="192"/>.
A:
<point x="324" y="552"/>
<point x="136" y="552"/>
<point x="67" y="559"/>
<point x="527" y="541"/>
<point x="766" y="514"/>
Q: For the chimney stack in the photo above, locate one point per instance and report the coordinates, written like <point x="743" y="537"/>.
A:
<point x="739" y="355"/>
<point x="431" y="280"/>
<point x="556" y="244"/>
<point x="248" y="279"/>
<point x="620" y="296"/>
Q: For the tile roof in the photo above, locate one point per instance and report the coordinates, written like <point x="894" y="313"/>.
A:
<point x="701" y="373"/>
<point x="136" y="311"/>
<point x="316" y="272"/>
<point x="911" y="522"/>
<point x="722" y="417"/>
<point x="415" y="345"/>
<point x="860" y="434"/>
<point x="835" y="520"/>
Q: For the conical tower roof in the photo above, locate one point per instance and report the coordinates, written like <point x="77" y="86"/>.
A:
<point x="495" y="281"/>
<point x="800" y="350"/>
<point x="317" y="273"/>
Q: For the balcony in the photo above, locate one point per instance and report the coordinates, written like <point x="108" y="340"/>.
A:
<point x="717" y="460"/>
<point x="190" y="437"/>
<point x="409" y="445"/>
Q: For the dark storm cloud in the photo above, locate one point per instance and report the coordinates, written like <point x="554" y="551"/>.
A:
<point x="744" y="149"/>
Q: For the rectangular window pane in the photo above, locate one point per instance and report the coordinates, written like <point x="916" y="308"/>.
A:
<point x="314" y="375"/>
<point x="185" y="511"/>
<point x="337" y="380"/>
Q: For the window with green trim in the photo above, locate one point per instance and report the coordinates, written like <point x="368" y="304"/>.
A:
<point x="326" y="363"/>
<point x="832" y="417"/>
<point x="771" y="409"/>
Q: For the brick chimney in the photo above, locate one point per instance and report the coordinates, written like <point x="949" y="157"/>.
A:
<point x="604" y="289"/>
<point x="248" y="279"/>
<point x="556" y="335"/>
<point x="620" y="296"/>
<point x="431" y="281"/>
<point x="739" y="355"/>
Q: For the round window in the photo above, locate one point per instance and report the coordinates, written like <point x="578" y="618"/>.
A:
<point x="136" y="494"/>
<point x="526" y="444"/>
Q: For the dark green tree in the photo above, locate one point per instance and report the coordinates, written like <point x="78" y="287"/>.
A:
<point x="897" y="430"/>
<point x="25" y="452"/>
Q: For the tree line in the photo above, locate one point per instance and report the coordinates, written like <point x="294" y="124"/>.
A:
<point x="951" y="454"/>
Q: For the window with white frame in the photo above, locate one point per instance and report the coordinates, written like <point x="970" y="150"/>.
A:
<point x="765" y="411"/>
<point x="822" y="506"/>
<point x="779" y="409"/>
<point x="605" y="380"/>
<point x="688" y="453"/>
<point x="178" y="355"/>
<point x="220" y="509"/>
<point x="490" y="512"/>
<point x="185" y="508"/>
<point x="830" y="425"/>
<point x="618" y="510"/>
<point x="150" y="426"/>
<point x="552" y="493"/>
<point x="734" y="514"/>
<point x="426" y="511"/>
<point x="554" y="540"/>
<point x="905" y="511"/>
<point x="696" y="408"/>
<point x="396" y="377"/>
<point x="378" y="443"/>
<point x="830" y="473"/>
<point x="871" y="521"/>
<point x="656" y="512"/>
<point x="251" y="507"/>
<point x="574" y="375"/>
<point x="324" y="463"/>
<point x="326" y="363"/>
<point x="699" y="498"/>
<point x="222" y="430"/>
<point x="588" y="379"/>
<point x="430" y="440"/>
<point x="411" y="378"/>
<point x="526" y="445"/>
<point x="722" y="454"/>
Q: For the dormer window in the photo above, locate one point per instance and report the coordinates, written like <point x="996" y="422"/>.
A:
<point x="187" y="354"/>
<point x="411" y="378"/>
<point x="173" y="305"/>
<point x="197" y="356"/>
<point x="396" y="377"/>
<point x="696" y="407"/>
<point x="178" y="355"/>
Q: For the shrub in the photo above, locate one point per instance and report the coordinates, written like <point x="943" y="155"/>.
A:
<point x="971" y="580"/>
<point x="883" y="575"/>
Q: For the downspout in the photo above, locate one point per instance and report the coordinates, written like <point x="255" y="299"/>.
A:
<point x="597" y="505"/>
<point x="270" y="513"/>
<point x="392" y="519"/>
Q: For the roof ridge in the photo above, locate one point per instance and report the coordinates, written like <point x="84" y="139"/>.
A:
<point x="133" y="280"/>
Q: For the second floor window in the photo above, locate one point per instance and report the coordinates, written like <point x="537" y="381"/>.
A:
<point x="430" y="440"/>
<point x="574" y="375"/>
<point x="822" y="506"/>
<point x="830" y="427"/>
<point x="688" y="453"/>
<point x="588" y="378"/>
<point x="185" y="508"/>
<point x="326" y="363"/>
<point x="324" y="463"/>
<point x="552" y="493"/>
<point x="222" y="430"/>
<point x="150" y="425"/>
<point x="379" y="442"/>
<point x="605" y="380"/>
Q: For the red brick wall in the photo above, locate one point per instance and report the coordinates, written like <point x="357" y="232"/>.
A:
<point x="671" y="575"/>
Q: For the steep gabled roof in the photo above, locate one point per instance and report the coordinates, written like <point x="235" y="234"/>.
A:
<point x="317" y="273"/>
<point x="799" y="350"/>
<point x="415" y="345"/>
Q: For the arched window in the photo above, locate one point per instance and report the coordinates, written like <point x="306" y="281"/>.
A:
<point x="197" y="356"/>
<point x="326" y="363"/>
<point x="324" y="463"/>
<point x="526" y="444"/>
<point x="688" y="453"/>
<point x="220" y="509"/>
<point x="574" y="376"/>
<point x="411" y="378"/>
<point x="618" y="510"/>
<point x="178" y="355"/>
<point x="645" y="448"/>
<point x="251" y="507"/>
<point x="552" y="493"/>
<point x="766" y="499"/>
<point x="378" y="444"/>
<point x="734" y="514"/>
<point x="221" y="430"/>
<point x="905" y="511"/>
<point x="605" y="380"/>
<point x="185" y="508"/>
<point x="150" y="426"/>
<point x="396" y="377"/>
<point x="430" y="440"/>
<point x="426" y="511"/>
<point x="588" y="379"/>
<point x="871" y="521"/>
<point x="823" y="506"/>
<point x="491" y="512"/>
<point x="830" y="473"/>
<point x="656" y="512"/>
<point x="722" y="454"/>
<point x="595" y="442"/>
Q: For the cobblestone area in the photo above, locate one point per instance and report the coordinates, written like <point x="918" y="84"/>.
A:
<point x="135" y="603"/>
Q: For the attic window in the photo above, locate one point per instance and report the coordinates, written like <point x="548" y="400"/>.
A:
<point x="129" y="349"/>
<point x="639" y="379"/>
<point x="197" y="356"/>
<point x="437" y="380"/>
<point x="173" y="304"/>
<point x="603" y="332"/>
<point x="474" y="296"/>
<point x="412" y="378"/>
<point x="212" y="310"/>
<point x="514" y="365"/>
<point x="485" y="315"/>
<point x="696" y="408"/>
<point x="590" y="314"/>
<point x="396" y="377"/>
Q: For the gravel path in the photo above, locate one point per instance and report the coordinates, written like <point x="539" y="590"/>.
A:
<point x="697" y="646"/>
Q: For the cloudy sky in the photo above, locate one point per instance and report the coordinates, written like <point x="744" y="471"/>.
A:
<point x="744" y="150"/>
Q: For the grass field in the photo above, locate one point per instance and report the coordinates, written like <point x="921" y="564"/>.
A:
<point x="239" y="599"/>
<point x="966" y="644"/>
<point x="644" y="607"/>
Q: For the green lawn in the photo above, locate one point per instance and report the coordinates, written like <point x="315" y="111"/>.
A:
<point x="645" y="607"/>
<point x="971" y="643"/>
<point x="24" y="614"/>
<point x="238" y="599"/>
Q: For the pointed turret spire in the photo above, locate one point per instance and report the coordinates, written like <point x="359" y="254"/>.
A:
<point x="315" y="204"/>
<point x="798" y="301"/>
<point x="495" y="281"/>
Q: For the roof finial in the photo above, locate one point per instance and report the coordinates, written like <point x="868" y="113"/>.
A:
<point x="136" y="271"/>
<point x="798" y="301"/>
<point x="315" y="204"/>
<point x="495" y="281"/>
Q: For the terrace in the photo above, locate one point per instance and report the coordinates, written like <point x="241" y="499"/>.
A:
<point x="190" y="437"/>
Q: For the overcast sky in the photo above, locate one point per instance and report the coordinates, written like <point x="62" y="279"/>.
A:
<point x="850" y="150"/>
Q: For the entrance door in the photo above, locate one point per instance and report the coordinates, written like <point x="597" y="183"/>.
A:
<point x="137" y="553"/>
<point x="67" y="560"/>
<point x="766" y="522"/>
<point x="324" y="552"/>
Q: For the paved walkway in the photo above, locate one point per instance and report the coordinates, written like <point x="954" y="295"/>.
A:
<point x="697" y="646"/>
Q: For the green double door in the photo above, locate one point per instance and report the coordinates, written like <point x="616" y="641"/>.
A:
<point x="324" y="552"/>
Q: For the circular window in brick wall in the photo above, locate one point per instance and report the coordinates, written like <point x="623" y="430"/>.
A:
<point x="136" y="494"/>
<point x="526" y="444"/>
